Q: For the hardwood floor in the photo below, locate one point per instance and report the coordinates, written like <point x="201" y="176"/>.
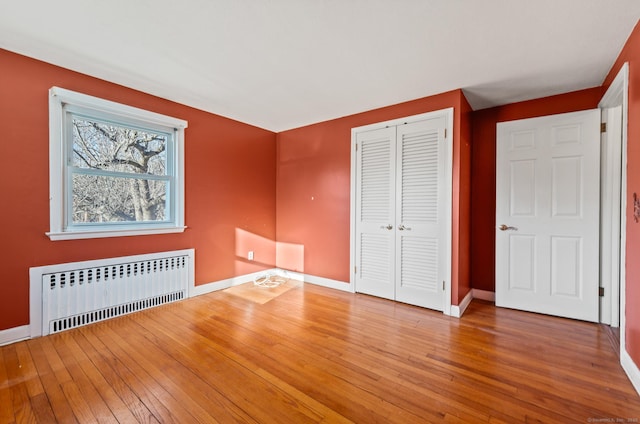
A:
<point x="317" y="355"/>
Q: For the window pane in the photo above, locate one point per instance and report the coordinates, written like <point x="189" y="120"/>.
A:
<point x="109" y="147"/>
<point x="105" y="199"/>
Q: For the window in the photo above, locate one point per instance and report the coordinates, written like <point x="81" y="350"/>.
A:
<point x="115" y="170"/>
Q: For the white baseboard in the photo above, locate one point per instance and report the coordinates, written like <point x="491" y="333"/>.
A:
<point x="15" y="334"/>
<point x="484" y="295"/>
<point x="631" y="369"/>
<point x="312" y="279"/>
<point x="319" y="281"/>
<point x="229" y="282"/>
<point x="458" y="310"/>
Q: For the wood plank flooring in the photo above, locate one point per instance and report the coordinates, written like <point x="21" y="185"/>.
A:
<point x="313" y="354"/>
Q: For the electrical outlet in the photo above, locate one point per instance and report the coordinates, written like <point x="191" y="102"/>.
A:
<point x="250" y="255"/>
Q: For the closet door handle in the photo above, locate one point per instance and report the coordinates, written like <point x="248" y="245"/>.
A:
<point x="388" y="227"/>
<point x="402" y="228"/>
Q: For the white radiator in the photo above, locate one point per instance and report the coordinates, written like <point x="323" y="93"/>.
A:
<point x="70" y="295"/>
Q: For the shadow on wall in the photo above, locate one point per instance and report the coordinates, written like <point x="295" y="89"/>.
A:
<point x="256" y="253"/>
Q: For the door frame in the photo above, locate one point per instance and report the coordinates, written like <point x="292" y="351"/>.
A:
<point x="448" y="181"/>
<point x="617" y="95"/>
<point x="610" y="214"/>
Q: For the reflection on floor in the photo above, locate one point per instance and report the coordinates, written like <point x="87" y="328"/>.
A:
<point x="262" y="295"/>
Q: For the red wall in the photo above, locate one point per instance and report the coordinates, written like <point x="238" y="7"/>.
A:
<point x="631" y="54"/>
<point x="483" y="171"/>
<point x="230" y="186"/>
<point x="247" y="187"/>
<point x="313" y="189"/>
<point x="461" y="243"/>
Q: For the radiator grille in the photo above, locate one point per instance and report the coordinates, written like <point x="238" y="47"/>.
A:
<point x="114" y="311"/>
<point x="75" y="297"/>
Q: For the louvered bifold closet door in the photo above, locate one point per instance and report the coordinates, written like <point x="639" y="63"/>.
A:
<point x="419" y="213"/>
<point x="375" y="210"/>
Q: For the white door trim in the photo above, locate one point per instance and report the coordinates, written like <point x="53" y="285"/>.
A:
<point x="610" y="215"/>
<point x="448" y="181"/>
<point x="617" y="95"/>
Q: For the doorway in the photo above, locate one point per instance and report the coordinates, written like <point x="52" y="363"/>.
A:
<point x="401" y="209"/>
<point x="611" y="240"/>
<point x="614" y="105"/>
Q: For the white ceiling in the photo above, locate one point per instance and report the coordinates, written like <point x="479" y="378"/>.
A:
<point x="281" y="64"/>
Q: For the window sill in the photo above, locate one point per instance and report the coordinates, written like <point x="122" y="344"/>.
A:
<point x="90" y="234"/>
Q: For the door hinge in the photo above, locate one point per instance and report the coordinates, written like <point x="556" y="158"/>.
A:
<point x="355" y="269"/>
<point x="603" y="127"/>
<point x="442" y="284"/>
<point x="445" y="133"/>
<point x="601" y="291"/>
<point x="356" y="147"/>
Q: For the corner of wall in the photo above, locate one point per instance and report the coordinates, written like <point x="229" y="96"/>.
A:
<point x="458" y="310"/>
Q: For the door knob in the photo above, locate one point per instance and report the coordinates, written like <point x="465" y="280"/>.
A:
<point x="401" y="227"/>
<point x="504" y="227"/>
<point x="388" y="227"/>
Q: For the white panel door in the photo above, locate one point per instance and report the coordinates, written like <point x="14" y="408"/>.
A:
<point x="547" y="215"/>
<point x="420" y="229"/>
<point x="375" y="212"/>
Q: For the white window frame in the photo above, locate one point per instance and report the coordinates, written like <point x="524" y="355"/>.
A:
<point x="60" y="100"/>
